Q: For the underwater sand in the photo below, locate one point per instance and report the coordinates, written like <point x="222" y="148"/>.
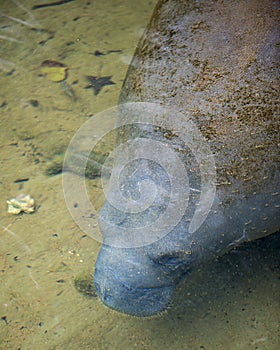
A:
<point x="232" y="303"/>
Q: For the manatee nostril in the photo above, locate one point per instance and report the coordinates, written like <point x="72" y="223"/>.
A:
<point x="107" y="297"/>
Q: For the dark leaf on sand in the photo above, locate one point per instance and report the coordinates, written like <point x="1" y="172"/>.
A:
<point x="97" y="84"/>
<point x="51" y="63"/>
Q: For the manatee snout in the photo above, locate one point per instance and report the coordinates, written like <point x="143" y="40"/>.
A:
<point x="128" y="281"/>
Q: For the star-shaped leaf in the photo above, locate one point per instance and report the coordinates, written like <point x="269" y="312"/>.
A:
<point x="97" y="84"/>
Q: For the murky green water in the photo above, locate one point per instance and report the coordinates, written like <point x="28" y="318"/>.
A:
<point x="46" y="260"/>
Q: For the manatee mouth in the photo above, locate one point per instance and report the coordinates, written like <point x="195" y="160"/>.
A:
<point x="140" y="302"/>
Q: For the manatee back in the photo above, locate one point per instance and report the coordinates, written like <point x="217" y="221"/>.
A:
<point x="218" y="63"/>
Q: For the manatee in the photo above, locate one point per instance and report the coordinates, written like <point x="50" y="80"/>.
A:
<point x="214" y="65"/>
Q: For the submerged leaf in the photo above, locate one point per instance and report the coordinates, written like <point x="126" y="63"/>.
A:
<point x="97" y="83"/>
<point x="51" y="63"/>
<point x="53" y="70"/>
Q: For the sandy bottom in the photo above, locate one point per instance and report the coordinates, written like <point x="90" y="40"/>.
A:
<point x="232" y="303"/>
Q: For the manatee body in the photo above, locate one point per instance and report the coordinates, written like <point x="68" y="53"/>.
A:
<point x="217" y="63"/>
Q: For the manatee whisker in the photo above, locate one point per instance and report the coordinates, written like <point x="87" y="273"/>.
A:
<point x="195" y="189"/>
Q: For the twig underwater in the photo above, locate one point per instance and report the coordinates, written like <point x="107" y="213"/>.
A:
<point x="6" y="65"/>
<point x="16" y="237"/>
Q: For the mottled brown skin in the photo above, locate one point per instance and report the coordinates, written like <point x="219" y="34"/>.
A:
<point x="229" y="86"/>
<point x="218" y="63"/>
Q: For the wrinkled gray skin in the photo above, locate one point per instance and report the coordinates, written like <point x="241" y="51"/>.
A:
<point x="217" y="62"/>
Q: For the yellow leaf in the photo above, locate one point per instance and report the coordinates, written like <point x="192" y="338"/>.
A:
<point x="55" y="74"/>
